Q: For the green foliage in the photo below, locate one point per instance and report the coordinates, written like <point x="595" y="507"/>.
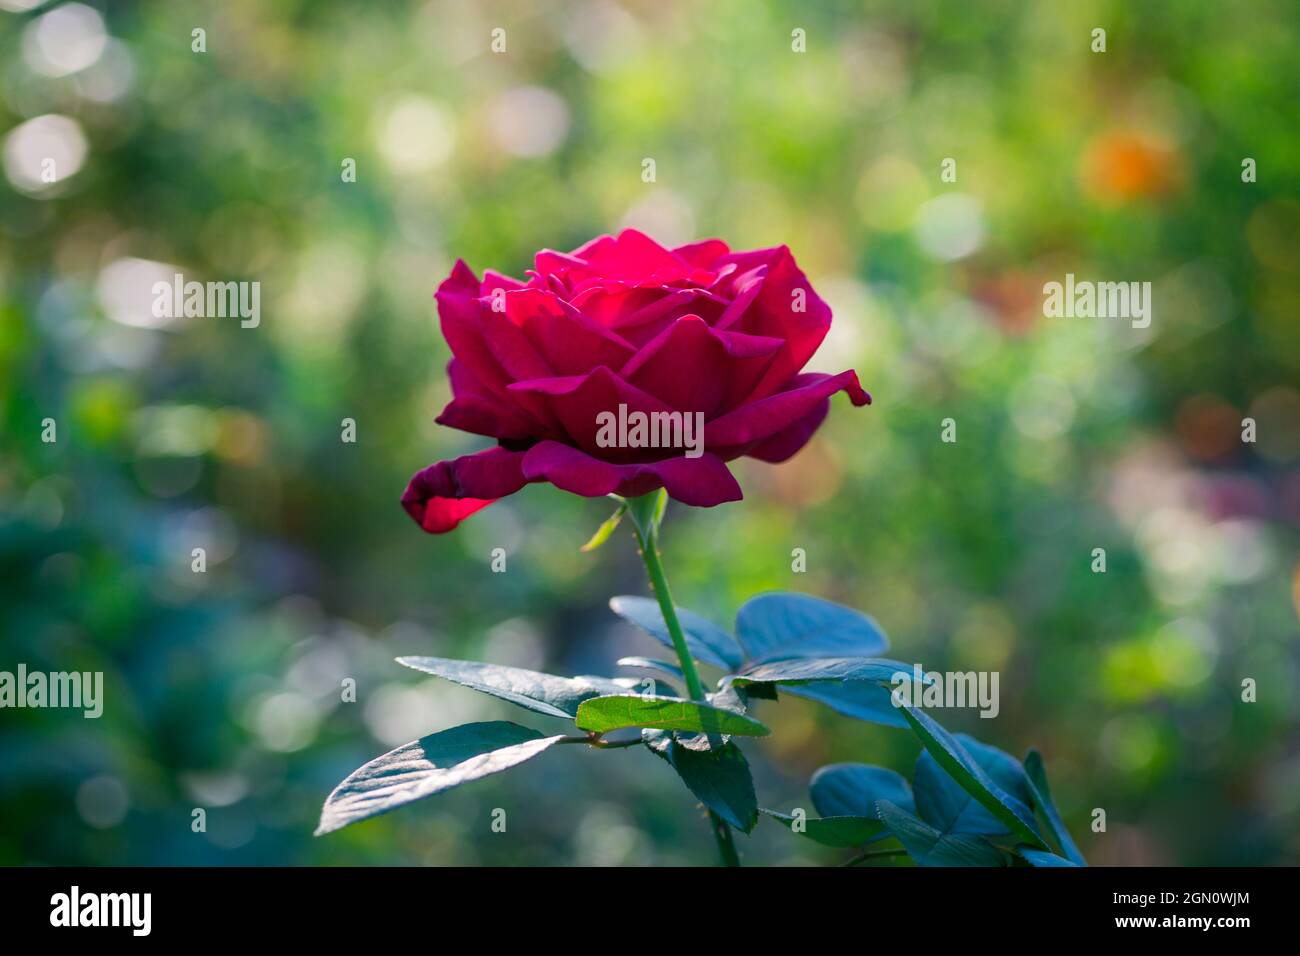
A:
<point x="718" y="776"/>
<point x="842" y="832"/>
<point x="969" y="804"/>
<point x="543" y="693"/>
<point x="969" y="815"/>
<point x="1041" y="795"/>
<point x="709" y="643"/>
<point x="782" y="625"/>
<point x="603" y="714"/>
<point x="949" y="754"/>
<point x="433" y="764"/>
<point x="930" y="846"/>
<point x="852" y="789"/>
<point x="651" y="663"/>
<point x="607" y="528"/>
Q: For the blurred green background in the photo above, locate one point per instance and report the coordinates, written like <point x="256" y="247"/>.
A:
<point x="222" y="689"/>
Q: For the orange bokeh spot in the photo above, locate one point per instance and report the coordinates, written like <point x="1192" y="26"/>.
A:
<point x="1123" y="165"/>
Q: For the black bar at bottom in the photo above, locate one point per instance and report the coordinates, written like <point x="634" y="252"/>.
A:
<point x="387" y="905"/>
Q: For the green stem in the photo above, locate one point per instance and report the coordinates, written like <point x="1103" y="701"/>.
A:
<point x="659" y="584"/>
<point x="646" y="528"/>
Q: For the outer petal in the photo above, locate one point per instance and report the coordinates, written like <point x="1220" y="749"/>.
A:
<point x="446" y="493"/>
<point x="460" y="318"/>
<point x="478" y="409"/>
<point x="472" y="414"/>
<point x="763" y="419"/>
<point x="787" y="442"/>
<point x="773" y="312"/>
<point x="704" y="481"/>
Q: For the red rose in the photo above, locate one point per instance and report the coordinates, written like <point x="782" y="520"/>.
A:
<point x="624" y="328"/>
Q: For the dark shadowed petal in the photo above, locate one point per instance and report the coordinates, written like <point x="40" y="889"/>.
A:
<point x="785" y="443"/>
<point x="704" y="481"/>
<point x="444" y="494"/>
<point x="477" y="409"/>
<point x="577" y="400"/>
<point x="480" y="416"/>
<point x="760" y="420"/>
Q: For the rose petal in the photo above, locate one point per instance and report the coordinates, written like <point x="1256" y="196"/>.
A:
<point x="443" y="495"/>
<point x="760" y="420"/>
<point x="631" y="257"/>
<point x="569" y="342"/>
<point x="635" y="257"/>
<point x="747" y="287"/>
<point x="459" y="316"/>
<point x="482" y="416"/>
<point x="480" y="410"/>
<point x="704" y="253"/>
<point x="512" y="349"/>
<point x="577" y="400"/>
<point x="493" y="280"/>
<point x="772" y="312"/>
<point x="694" y="368"/>
<point x="704" y="481"/>
<point x="787" y="442"/>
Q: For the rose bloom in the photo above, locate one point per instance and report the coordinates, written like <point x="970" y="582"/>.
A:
<point x="624" y="321"/>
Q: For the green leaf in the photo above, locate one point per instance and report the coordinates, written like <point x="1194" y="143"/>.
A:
<point x="861" y="700"/>
<point x="719" y="777"/>
<point x="961" y="767"/>
<point x="661" y="508"/>
<point x="606" y="529"/>
<point x="1036" y="773"/>
<point x="706" y="641"/>
<point x="877" y="670"/>
<point x="929" y="847"/>
<point x="844" y="832"/>
<point x="543" y="693"/>
<point x="730" y="697"/>
<point x="1044" y="858"/>
<point x="784" y="625"/>
<point x="852" y="789"/>
<point x="427" y="766"/>
<point x="652" y="664"/>
<point x="646" y="686"/>
<point x="603" y="714"/>
<point x="942" y="802"/>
